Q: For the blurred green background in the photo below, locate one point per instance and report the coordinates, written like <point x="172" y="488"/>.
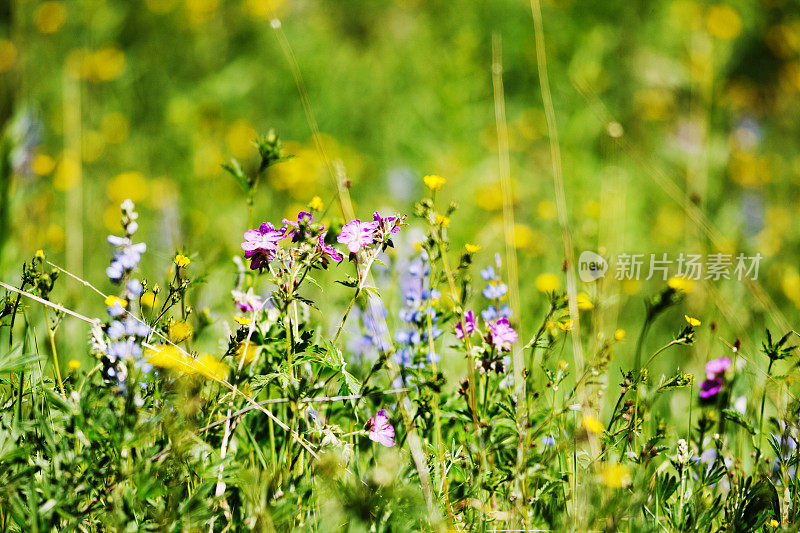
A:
<point x="106" y="100"/>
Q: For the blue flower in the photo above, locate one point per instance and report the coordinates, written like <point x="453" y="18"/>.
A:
<point x="493" y="292"/>
<point x="487" y="273"/>
<point x="134" y="288"/>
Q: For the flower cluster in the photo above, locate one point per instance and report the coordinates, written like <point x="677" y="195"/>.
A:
<point x="261" y="245"/>
<point x="126" y="254"/>
<point x="419" y="306"/>
<point x="125" y="332"/>
<point x="357" y="235"/>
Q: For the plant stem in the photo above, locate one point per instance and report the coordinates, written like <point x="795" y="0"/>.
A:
<point x="57" y="368"/>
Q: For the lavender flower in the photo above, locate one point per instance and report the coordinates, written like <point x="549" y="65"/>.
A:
<point x="380" y="430"/>
<point x="490" y="313"/>
<point x="261" y="245"/>
<point x="356" y="234"/>
<point x="468" y="326"/>
<point x="495" y="291"/>
<point x="502" y="334"/>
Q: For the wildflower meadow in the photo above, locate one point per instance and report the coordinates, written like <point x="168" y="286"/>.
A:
<point x="401" y="265"/>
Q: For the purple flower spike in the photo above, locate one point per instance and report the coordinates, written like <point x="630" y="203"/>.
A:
<point x="261" y="244"/>
<point x="468" y="327"/>
<point x="356" y="234"/>
<point x="710" y="387"/>
<point x="503" y="335"/>
<point x="718" y="366"/>
<point x="381" y="431"/>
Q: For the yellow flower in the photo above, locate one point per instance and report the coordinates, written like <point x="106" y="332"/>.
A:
<point x="182" y="260"/>
<point x="472" y="248"/>
<point x="50" y="16"/>
<point x="210" y="367"/>
<point x="547" y="283"/>
<point x="149" y="299"/>
<point x="774" y="523"/>
<point x="168" y="356"/>
<point x="619" y="335"/>
<point x="179" y="331"/>
<point x="8" y="55"/>
<point x="40" y="254"/>
<point x="250" y="354"/>
<point x="681" y="284"/>
<point x="723" y="22"/>
<point x="111" y="301"/>
<point x="42" y="164"/>
<point x="592" y="424"/>
<point x="243" y="320"/>
<point x="434" y="182"/>
<point x="692" y="321"/>
<point x="442" y="221"/>
<point x="616" y="476"/>
<point x="316" y="204"/>
<point x="584" y="302"/>
<point x="74" y="364"/>
<point x="566" y="325"/>
<point x="562" y="364"/>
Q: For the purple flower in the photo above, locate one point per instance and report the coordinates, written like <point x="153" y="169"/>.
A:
<point x="303" y="219"/>
<point x="356" y="234"/>
<point x="503" y="335"/>
<point x="380" y="430"/>
<point x="389" y="224"/>
<point x="247" y="301"/>
<point x="328" y="251"/>
<point x="468" y="326"/>
<point x="261" y="244"/>
<point x="716" y="367"/>
<point x="710" y="387"/>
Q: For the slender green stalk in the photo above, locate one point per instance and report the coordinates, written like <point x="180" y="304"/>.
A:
<point x="56" y="366"/>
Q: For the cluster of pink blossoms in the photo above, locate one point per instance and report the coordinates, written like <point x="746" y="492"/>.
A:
<point x="500" y="333"/>
<point x="261" y="245"/>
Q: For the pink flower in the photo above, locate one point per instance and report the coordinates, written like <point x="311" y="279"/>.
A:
<point x="261" y="244"/>
<point x="356" y="234"/>
<point x="328" y="252"/>
<point x="717" y="366"/>
<point x="710" y="387"/>
<point x="247" y="301"/>
<point x="468" y="327"/>
<point x="381" y="431"/>
<point x="503" y="335"/>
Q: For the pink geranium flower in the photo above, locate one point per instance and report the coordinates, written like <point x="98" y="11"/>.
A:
<point x="380" y="430"/>
<point x="503" y="335"/>
<point x="356" y="234"/>
<point x="261" y="244"/>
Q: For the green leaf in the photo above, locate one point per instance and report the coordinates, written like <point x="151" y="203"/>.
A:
<point x="759" y="505"/>
<point x="235" y="170"/>
<point x="15" y="361"/>
<point x="737" y="418"/>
